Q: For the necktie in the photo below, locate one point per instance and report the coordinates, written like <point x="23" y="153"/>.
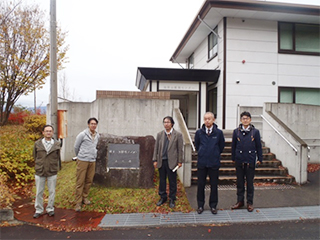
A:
<point x="208" y="132"/>
<point x="169" y="136"/>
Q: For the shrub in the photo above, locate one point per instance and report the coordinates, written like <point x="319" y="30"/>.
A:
<point x="16" y="160"/>
<point x="17" y="115"/>
<point x="6" y="198"/>
<point x="34" y="125"/>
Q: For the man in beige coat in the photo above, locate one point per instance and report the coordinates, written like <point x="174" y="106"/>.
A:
<point x="167" y="157"/>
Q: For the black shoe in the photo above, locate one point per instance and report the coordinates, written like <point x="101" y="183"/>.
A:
<point x="250" y="207"/>
<point x="200" y="210"/>
<point x="51" y="213"/>
<point x="214" y="211"/>
<point x="161" y="201"/>
<point x="37" y="215"/>
<point x="172" y="204"/>
<point x="237" y="205"/>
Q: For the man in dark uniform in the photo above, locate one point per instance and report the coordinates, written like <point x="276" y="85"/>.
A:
<point x="246" y="153"/>
<point x="209" y="143"/>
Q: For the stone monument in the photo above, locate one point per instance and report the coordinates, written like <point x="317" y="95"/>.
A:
<point x="125" y="161"/>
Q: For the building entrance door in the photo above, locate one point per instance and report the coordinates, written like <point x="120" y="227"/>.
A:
<point x="188" y="108"/>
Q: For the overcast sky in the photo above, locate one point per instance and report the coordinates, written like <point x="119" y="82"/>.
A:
<point x="110" y="39"/>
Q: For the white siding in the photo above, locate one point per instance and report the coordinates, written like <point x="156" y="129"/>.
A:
<point x="201" y="62"/>
<point x="263" y="70"/>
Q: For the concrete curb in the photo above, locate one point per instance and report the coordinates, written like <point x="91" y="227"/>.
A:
<point x="6" y="215"/>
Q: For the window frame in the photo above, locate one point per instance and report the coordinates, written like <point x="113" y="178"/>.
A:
<point x="191" y="57"/>
<point x="214" y="36"/>
<point x="294" y="40"/>
<point x="294" y="92"/>
<point x="288" y="88"/>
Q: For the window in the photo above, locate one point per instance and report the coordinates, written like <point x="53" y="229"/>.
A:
<point x="213" y="44"/>
<point x="299" y="95"/>
<point x="299" y="38"/>
<point x="287" y="95"/>
<point x="191" y="62"/>
<point x="212" y="100"/>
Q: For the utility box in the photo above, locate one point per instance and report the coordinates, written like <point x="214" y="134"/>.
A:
<point x="62" y="124"/>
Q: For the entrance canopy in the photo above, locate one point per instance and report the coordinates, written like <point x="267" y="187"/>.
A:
<point x="171" y="74"/>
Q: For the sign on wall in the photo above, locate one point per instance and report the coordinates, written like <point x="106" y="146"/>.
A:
<point x="179" y="86"/>
<point x="123" y="156"/>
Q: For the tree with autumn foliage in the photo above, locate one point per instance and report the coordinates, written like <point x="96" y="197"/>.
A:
<point x="24" y="52"/>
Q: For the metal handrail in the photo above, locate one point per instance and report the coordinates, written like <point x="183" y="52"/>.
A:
<point x="283" y="137"/>
<point x="185" y="128"/>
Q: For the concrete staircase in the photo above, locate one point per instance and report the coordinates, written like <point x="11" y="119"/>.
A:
<point x="271" y="169"/>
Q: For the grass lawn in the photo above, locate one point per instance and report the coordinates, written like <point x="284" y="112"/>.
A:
<point x="115" y="200"/>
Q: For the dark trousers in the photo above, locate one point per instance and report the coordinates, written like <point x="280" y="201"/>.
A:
<point x="245" y="173"/>
<point x="214" y="178"/>
<point x="165" y="171"/>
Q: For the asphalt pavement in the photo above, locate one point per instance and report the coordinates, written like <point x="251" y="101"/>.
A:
<point x="290" y="230"/>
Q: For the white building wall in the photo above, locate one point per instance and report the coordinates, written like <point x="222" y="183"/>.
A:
<point x="201" y="62"/>
<point x="252" y="65"/>
<point x="299" y="71"/>
<point x="255" y="69"/>
<point x="264" y="69"/>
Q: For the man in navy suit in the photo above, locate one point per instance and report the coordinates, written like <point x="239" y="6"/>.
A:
<point x="209" y="143"/>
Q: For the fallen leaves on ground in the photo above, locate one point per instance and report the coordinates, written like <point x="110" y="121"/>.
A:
<point x="313" y="167"/>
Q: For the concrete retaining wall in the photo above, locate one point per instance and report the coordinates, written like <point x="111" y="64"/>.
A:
<point x="284" y="127"/>
<point x="118" y="116"/>
<point x="303" y="120"/>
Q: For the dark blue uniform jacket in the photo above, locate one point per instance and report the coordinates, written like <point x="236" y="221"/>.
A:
<point x="209" y="147"/>
<point x="246" y="145"/>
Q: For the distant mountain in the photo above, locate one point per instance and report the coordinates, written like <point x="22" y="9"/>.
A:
<point x="43" y="109"/>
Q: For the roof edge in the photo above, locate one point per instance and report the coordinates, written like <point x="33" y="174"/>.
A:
<point x="247" y="5"/>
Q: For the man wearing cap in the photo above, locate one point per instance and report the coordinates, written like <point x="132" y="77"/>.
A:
<point x="167" y="157"/>
<point x="246" y="154"/>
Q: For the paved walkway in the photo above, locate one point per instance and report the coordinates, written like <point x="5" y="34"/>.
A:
<point x="225" y="216"/>
<point x="275" y="203"/>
